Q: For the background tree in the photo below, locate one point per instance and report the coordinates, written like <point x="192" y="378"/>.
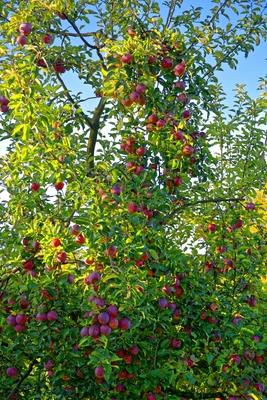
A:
<point x="130" y="262"/>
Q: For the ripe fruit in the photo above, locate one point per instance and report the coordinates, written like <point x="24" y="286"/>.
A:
<point x="250" y="206"/>
<point x="61" y="256"/>
<point x="112" y="310"/>
<point x="131" y="32"/>
<point x="20" y="328"/>
<point x="94" y="331"/>
<point x="132" y="208"/>
<point x="124" y="324"/>
<point x="236" y="359"/>
<point x="28" y="265"/>
<point x="186" y="114"/>
<point x="166" y="63"/>
<point x="21" y="40"/>
<point x="177" y="181"/>
<point x="75" y="229"/>
<point x="188" y="150"/>
<point x="178" y="135"/>
<point x="113" y="323"/>
<point x="92" y="278"/>
<point x="163" y="303"/>
<point x="111" y="251"/>
<point x="99" y="372"/>
<point x="105" y="330"/>
<point x="84" y="331"/>
<point x="55" y="242"/>
<point x="152" y="119"/>
<point x="21" y="319"/>
<point x="160" y="123"/>
<point x="41" y="63"/>
<point x="41" y="317"/>
<point x="80" y="239"/>
<point x="140" y="151"/>
<point x="140" y="88"/>
<point x="25" y="28"/>
<point x="52" y="316"/>
<point x="59" y="66"/>
<point x="179" y="69"/>
<point x="47" y="39"/>
<point x="103" y="318"/>
<point x="11" y="320"/>
<point x="59" y="185"/>
<point x="35" y="186"/>
<point x="127" y="58"/>
<point x="150" y="396"/>
<point x="116" y="190"/>
<point x="212" y="228"/>
<point x="175" y="343"/>
<point x="12" y="372"/>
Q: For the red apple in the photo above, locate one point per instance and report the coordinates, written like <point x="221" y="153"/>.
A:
<point x="21" y="319"/>
<point x="84" y="331"/>
<point x="21" y="40"/>
<point x="186" y="114"/>
<point x="35" y="186"/>
<point x="131" y="32"/>
<point x="152" y="119"/>
<point x="127" y="58"/>
<point x="103" y="318"/>
<point x="59" y="185"/>
<point x="11" y="320"/>
<point x="105" y="330"/>
<point x="179" y="69"/>
<point x="124" y="324"/>
<point x="47" y="39"/>
<point x="132" y="208"/>
<point x="188" y="150"/>
<point x="61" y="257"/>
<point x="166" y="63"/>
<point x="12" y="372"/>
<point x="212" y="228"/>
<point x="52" y="316"/>
<point x="92" y="278"/>
<point x="80" y="239"/>
<point x="59" y="67"/>
<point x="99" y="372"/>
<point x="113" y="323"/>
<point x="151" y="59"/>
<point x="111" y="251"/>
<point x="55" y="242"/>
<point x="25" y="28"/>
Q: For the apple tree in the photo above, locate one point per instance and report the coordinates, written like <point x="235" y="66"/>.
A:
<point x="132" y="249"/>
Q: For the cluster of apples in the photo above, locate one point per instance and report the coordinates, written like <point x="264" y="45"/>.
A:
<point x="25" y="30"/>
<point x="105" y="322"/>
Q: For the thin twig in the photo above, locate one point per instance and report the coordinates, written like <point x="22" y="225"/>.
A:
<point x="22" y="379"/>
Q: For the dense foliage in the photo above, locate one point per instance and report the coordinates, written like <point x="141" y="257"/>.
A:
<point x="132" y="233"/>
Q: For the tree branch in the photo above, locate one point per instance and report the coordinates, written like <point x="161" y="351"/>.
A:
<point x="204" y="201"/>
<point x="75" y="104"/>
<point x="215" y="15"/>
<point x="93" y="134"/>
<point x="89" y="45"/>
<point x="22" y="379"/>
